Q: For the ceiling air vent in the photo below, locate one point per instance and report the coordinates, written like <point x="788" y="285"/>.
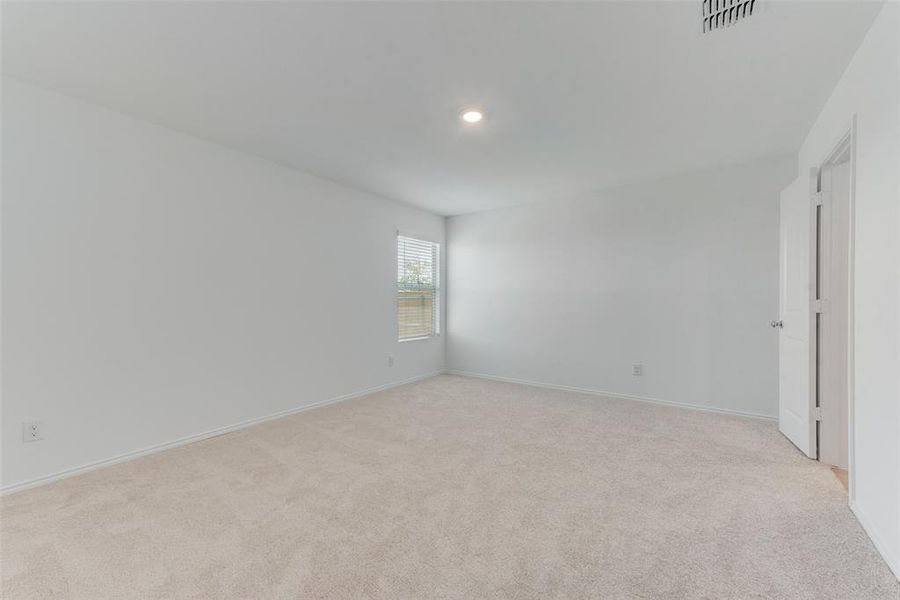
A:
<point x="719" y="14"/>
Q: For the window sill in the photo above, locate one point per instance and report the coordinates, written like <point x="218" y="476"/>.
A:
<point x="416" y="339"/>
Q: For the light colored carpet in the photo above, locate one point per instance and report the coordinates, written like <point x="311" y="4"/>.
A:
<point x="453" y="488"/>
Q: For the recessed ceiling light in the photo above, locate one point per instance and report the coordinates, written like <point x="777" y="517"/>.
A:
<point x="471" y="116"/>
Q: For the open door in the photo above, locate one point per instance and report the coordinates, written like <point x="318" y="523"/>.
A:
<point x="797" y="333"/>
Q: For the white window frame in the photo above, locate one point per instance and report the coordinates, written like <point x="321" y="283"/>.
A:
<point x="438" y="294"/>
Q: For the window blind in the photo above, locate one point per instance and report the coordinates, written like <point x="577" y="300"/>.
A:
<point x="418" y="288"/>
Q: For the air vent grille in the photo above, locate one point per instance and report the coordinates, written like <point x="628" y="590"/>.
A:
<point x="719" y="14"/>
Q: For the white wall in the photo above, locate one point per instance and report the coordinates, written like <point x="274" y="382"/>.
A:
<point x="679" y="274"/>
<point x="870" y="89"/>
<point x="156" y="286"/>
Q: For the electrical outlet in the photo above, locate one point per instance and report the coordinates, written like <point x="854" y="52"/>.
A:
<point x="390" y="360"/>
<point x="32" y="431"/>
<point x="637" y="370"/>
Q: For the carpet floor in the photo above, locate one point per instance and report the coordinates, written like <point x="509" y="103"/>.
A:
<point x="453" y="488"/>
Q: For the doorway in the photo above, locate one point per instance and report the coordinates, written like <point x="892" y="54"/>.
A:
<point x="833" y="315"/>
<point x="816" y="312"/>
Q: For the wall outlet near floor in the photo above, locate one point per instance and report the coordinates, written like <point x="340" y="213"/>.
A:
<point x="390" y="360"/>
<point x="32" y="431"/>
<point x="637" y="370"/>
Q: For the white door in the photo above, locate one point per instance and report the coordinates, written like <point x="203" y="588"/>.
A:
<point x="796" y="335"/>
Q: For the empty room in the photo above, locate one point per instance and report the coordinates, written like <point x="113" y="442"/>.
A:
<point x="451" y="300"/>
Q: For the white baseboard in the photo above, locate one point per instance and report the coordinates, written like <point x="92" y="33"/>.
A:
<point x="24" y="485"/>
<point x="893" y="562"/>
<point x="616" y="395"/>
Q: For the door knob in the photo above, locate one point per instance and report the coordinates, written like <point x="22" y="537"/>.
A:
<point x="778" y="324"/>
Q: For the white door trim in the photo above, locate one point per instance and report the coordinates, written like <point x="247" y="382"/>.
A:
<point x="813" y="310"/>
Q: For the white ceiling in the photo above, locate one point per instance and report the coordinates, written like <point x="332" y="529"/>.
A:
<point x="577" y="96"/>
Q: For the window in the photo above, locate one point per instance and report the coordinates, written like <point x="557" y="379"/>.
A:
<point x="418" y="288"/>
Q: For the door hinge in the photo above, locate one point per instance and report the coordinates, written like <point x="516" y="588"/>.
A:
<point x="817" y="413"/>
<point x="821" y="306"/>
<point x="819" y="198"/>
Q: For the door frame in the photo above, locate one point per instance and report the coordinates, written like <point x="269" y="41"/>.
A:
<point x="845" y="143"/>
